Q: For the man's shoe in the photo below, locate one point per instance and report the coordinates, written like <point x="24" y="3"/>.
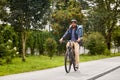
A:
<point x="77" y="66"/>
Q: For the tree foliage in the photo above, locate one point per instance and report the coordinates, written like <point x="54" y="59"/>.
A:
<point x="27" y="14"/>
<point x="3" y="10"/>
<point x="103" y="17"/>
<point x="62" y="16"/>
<point x="84" y="4"/>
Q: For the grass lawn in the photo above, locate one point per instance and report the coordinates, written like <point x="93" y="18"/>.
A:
<point x="42" y="62"/>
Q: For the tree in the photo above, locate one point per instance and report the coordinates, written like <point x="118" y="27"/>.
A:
<point x="62" y="16"/>
<point x="103" y="17"/>
<point x="27" y="14"/>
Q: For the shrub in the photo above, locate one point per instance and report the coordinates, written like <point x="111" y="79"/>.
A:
<point x="95" y="42"/>
<point x="50" y="47"/>
<point x="7" y="43"/>
<point x="36" y="40"/>
<point x="107" y="52"/>
<point x="7" y="52"/>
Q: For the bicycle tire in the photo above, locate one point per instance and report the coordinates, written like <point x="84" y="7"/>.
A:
<point x="67" y="63"/>
<point x="75" y="69"/>
<point x="72" y="55"/>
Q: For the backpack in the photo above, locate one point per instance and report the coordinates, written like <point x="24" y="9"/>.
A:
<point x="80" y="28"/>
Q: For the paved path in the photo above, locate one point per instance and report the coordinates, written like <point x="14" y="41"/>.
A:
<point x="115" y="75"/>
<point x="88" y="71"/>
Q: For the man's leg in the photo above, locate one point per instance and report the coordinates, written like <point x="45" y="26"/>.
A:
<point x="67" y="45"/>
<point x="72" y="43"/>
<point x="76" y="47"/>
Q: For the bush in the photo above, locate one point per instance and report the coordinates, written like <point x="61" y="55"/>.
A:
<point x="116" y="37"/>
<point x="95" y="42"/>
<point x="7" y="52"/>
<point x="36" y="40"/>
<point x="107" y="52"/>
<point x="7" y="44"/>
<point x="50" y="47"/>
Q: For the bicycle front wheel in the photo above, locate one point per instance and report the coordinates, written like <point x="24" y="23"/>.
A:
<point x="68" y="62"/>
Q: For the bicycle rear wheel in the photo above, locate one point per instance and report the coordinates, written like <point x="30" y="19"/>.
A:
<point x="68" y="62"/>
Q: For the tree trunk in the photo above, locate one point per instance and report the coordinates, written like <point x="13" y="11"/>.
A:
<point x="23" y="45"/>
<point x="32" y="51"/>
<point x="108" y="36"/>
<point x="108" y="41"/>
<point x="109" y="45"/>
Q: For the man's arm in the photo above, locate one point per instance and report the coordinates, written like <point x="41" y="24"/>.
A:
<point x="64" y="36"/>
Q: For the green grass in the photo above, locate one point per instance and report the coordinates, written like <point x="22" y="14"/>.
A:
<point x="41" y="62"/>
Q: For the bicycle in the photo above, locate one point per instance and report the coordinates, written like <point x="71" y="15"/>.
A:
<point x="70" y="58"/>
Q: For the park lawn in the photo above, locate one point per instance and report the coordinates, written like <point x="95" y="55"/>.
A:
<point x="34" y="63"/>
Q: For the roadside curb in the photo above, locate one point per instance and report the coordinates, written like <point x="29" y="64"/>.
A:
<point x="103" y="73"/>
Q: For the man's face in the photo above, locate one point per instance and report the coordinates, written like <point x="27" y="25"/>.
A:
<point x="73" y="24"/>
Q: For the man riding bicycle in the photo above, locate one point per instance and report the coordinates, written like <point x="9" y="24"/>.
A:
<point x="74" y="34"/>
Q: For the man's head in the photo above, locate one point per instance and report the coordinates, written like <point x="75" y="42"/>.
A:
<point x="73" y="23"/>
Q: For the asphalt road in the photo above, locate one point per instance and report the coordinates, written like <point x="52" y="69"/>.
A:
<point x="115" y="75"/>
<point x="91" y="70"/>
